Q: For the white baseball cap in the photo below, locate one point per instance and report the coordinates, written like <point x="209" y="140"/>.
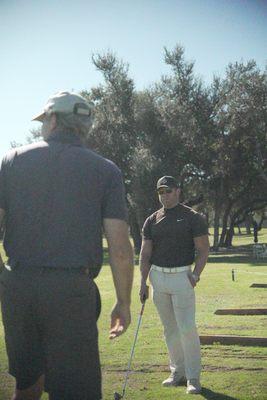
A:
<point x="67" y="103"/>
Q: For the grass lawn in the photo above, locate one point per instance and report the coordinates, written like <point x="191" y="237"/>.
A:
<point x="229" y="372"/>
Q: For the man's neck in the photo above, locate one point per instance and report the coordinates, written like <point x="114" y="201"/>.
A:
<point x="171" y="207"/>
<point x="65" y="137"/>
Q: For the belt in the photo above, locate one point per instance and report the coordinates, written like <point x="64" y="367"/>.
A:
<point x="171" y="270"/>
<point x="82" y="270"/>
<point x="44" y="269"/>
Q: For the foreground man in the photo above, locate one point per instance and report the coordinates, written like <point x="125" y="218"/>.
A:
<point x="170" y="237"/>
<point x="57" y="196"/>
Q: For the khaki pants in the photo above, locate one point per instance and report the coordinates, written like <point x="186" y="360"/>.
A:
<point x="174" y="298"/>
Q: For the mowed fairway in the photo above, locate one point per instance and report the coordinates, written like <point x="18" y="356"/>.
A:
<point x="229" y="372"/>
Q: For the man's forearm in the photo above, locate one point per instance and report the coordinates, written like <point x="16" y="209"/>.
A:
<point x="144" y="261"/>
<point x="121" y="263"/>
<point x="120" y="258"/>
<point x="144" y="269"/>
<point x="202" y="248"/>
<point x="201" y="260"/>
<point x="145" y="266"/>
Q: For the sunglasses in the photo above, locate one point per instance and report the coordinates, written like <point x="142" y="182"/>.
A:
<point x="164" y="190"/>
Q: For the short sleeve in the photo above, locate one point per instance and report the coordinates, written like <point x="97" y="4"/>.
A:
<point x="199" y="225"/>
<point x="146" y="231"/>
<point x="2" y="187"/>
<point x="114" y="202"/>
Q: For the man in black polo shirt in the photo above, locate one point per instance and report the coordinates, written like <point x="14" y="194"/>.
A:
<point x="170" y="237"/>
<point x="57" y="196"/>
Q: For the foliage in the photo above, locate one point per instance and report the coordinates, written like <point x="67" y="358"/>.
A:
<point x="240" y="117"/>
<point x="211" y="138"/>
<point x="113" y="133"/>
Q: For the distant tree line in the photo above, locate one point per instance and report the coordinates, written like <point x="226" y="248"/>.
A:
<point x="211" y="138"/>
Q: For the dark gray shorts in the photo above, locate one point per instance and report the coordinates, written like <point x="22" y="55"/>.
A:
<point x="50" y="327"/>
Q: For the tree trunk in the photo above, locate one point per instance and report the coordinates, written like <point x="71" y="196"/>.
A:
<point x="255" y="231"/>
<point x="217" y="212"/>
<point x="247" y="224"/>
<point x="229" y="235"/>
<point x="224" y="225"/>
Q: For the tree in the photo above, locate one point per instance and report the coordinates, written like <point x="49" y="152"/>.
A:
<point x="212" y="139"/>
<point x="171" y="121"/>
<point x="113" y="133"/>
<point x="240" y="117"/>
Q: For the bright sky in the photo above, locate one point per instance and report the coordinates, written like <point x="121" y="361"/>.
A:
<point x="46" y="46"/>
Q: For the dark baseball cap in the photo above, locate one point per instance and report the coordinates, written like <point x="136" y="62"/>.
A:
<point x="167" y="181"/>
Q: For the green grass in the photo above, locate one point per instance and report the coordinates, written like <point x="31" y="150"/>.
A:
<point x="229" y="372"/>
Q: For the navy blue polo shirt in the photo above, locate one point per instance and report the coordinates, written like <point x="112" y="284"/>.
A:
<point x="172" y="232"/>
<point x="56" y="194"/>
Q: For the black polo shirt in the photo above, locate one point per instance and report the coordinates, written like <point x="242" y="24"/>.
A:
<point x="55" y="194"/>
<point x="172" y="232"/>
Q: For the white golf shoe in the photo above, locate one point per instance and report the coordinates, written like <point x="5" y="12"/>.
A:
<point x="174" y="379"/>
<point x="193" y="386"/>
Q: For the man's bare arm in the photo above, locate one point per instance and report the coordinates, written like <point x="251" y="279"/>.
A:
<point x="202" y="247"/>
<point x="121" y="262"/>
<point x="2" y="214"/>
<point x="145" y="256"/>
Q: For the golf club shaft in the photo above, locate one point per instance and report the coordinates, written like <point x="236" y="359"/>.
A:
<point x="132" y="351"/>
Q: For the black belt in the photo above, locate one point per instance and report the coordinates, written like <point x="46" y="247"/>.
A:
<point x="43" y="269"/>
<point x="80" y="270"/>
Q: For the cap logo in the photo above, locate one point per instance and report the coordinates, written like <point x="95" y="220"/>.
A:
<point x="164" y="180"/>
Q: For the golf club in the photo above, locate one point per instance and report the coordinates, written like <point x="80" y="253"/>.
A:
<point x="118" y="396"/>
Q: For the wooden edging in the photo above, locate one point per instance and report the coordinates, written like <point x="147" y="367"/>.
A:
<point x="242" y="311"/>
<point x="259" y="285"/>
<point x="232" y="339"/>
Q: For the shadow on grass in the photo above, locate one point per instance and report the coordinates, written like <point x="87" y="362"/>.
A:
<point x="232" y="259"/>
<point x="211" y="395"/>
<point x="224" y="256"/>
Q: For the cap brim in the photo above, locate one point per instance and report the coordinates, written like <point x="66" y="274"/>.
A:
<point x="167" y="186"/>
<point x="39" y="117"/>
